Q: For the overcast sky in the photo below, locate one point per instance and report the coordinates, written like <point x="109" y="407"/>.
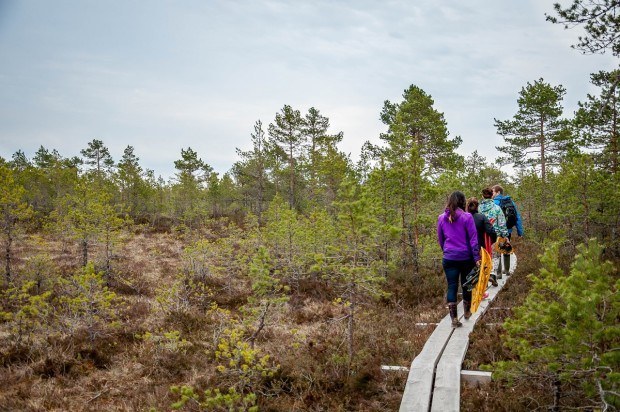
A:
<point x="164" y="75"/>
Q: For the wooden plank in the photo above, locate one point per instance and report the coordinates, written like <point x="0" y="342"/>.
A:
<point x="433" y="382"/>
<point x="394" y="368"/>
<point x="447" y="386"/>
<point x="419" y="386"/>
<point x="475" y="378"/>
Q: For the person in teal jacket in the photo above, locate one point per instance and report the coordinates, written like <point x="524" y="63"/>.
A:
<point x="495" y="215"/>
<point x="498" y="196"/>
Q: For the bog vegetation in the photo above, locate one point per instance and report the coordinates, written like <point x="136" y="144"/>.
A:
<point x="285" y="283"/>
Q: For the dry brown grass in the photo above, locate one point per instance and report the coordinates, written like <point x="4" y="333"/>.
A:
<point x="124" y="372"/>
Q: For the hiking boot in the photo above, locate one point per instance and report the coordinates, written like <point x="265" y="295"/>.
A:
<point x="467" y="307"/>
<point x="493" y="280"/>
<point x="454" y="315"/>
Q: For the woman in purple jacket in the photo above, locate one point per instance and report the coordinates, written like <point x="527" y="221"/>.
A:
<point x="458" y="239"/>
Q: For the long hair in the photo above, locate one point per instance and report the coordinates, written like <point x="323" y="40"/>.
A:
<point x="456" y="200"/>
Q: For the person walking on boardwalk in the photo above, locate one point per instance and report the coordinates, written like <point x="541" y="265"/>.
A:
<point x="458" y="239"/>
<point x="484" y="228"/>
<point x="486" y="238"/>
<point x="513" y="219"/>
<point x="495" y="215"/>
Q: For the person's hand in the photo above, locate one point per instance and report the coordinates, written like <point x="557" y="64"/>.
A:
<point x="478" y="263"/>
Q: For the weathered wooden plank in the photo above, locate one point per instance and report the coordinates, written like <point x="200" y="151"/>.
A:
<point x="419" y="386"/>
<point x="394" y="368"/>
<point x="433" y="382"/>
<point x="447" y="386"/>
<point x="475" y="378"/>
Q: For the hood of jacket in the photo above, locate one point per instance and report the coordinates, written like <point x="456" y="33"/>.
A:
<point x="486" y="205"/>
<point x="499" y="198"/>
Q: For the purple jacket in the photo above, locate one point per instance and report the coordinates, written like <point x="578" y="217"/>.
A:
<point x="458" y="239"/>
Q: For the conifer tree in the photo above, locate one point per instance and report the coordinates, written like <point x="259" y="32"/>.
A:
<point x="97" y="156"/>
<point x="478" y="174"/>
<point x="91" y="217"/>
<point x="252" y="171"/>
<point x="13" y="212"/>
<point x="285" y="133"/>
<point x="600" y="20"/>
<point x="134" y="191"/>
<point x="598" y="119"/>
<point x="418" y="149"/>
<point x="25" y="311"/>
<point x="192" y="174"/>
<point x="537" y="136"/>
<point x="566" y="333"/>
<point x="353" y="264"/>
<point x="85" y="303"/>
<point x="267" y="293"/>
<point x="19" y="162"/>
<point x="322" y="156"/>
<point x="283" y="234"/>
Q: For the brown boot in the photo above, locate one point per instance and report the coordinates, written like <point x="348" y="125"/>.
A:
<point x="454" y="315"/>
<point x="467" y="307"/>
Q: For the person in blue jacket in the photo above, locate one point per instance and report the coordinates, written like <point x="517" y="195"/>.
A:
<point x="498" y="197"/>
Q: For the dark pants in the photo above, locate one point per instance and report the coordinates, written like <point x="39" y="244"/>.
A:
<point x="456" y="269"/>
<point x="503" y="265"/>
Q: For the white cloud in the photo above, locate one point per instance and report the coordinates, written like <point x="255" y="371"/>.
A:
<point x="199" y="74"/>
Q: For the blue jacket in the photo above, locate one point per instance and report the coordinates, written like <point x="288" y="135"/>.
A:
<point x="497" y="199"/>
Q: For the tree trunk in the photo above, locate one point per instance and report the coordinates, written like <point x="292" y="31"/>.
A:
<point x="614" y="141"/>
<point x="84" y="252"/>
<point x="543" y="165"/>
<point x="350" y="329"/>
<point x="557" y="393"/>
<point x="7" y="256"/>
<point x="291" y="196"/>
<point x="261" y="325"/>
<point x="108" y="257"/>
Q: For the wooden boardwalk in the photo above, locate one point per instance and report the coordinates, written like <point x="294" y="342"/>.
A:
<point x="434" y="380"/>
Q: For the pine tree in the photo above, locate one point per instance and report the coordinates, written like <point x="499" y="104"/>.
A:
<point x="322" y="156"/>
<point x="13" y="212"/>
<point x="192" y="174"/>
<point x="50" y="178"/>
<point x="252" y="171"/>
<point x="283" y="237"/>
<point x="352" y="264"/>
<point x="598" y="119"/>
<point x="600" y="20"/>
<point x="566" y="333"/>
<point x="129" y="176"/>
<point x="267" y="293"/>
<point x="98" y="157"/>
<point x="91" y="217"/>
<point x="85" y="303"/>
<point x="537" y="136"/>
<point x="418" y="149"/>
<point x="285" y="133"/>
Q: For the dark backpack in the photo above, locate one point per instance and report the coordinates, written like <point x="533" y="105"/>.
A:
<point x="510" y="212"/>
